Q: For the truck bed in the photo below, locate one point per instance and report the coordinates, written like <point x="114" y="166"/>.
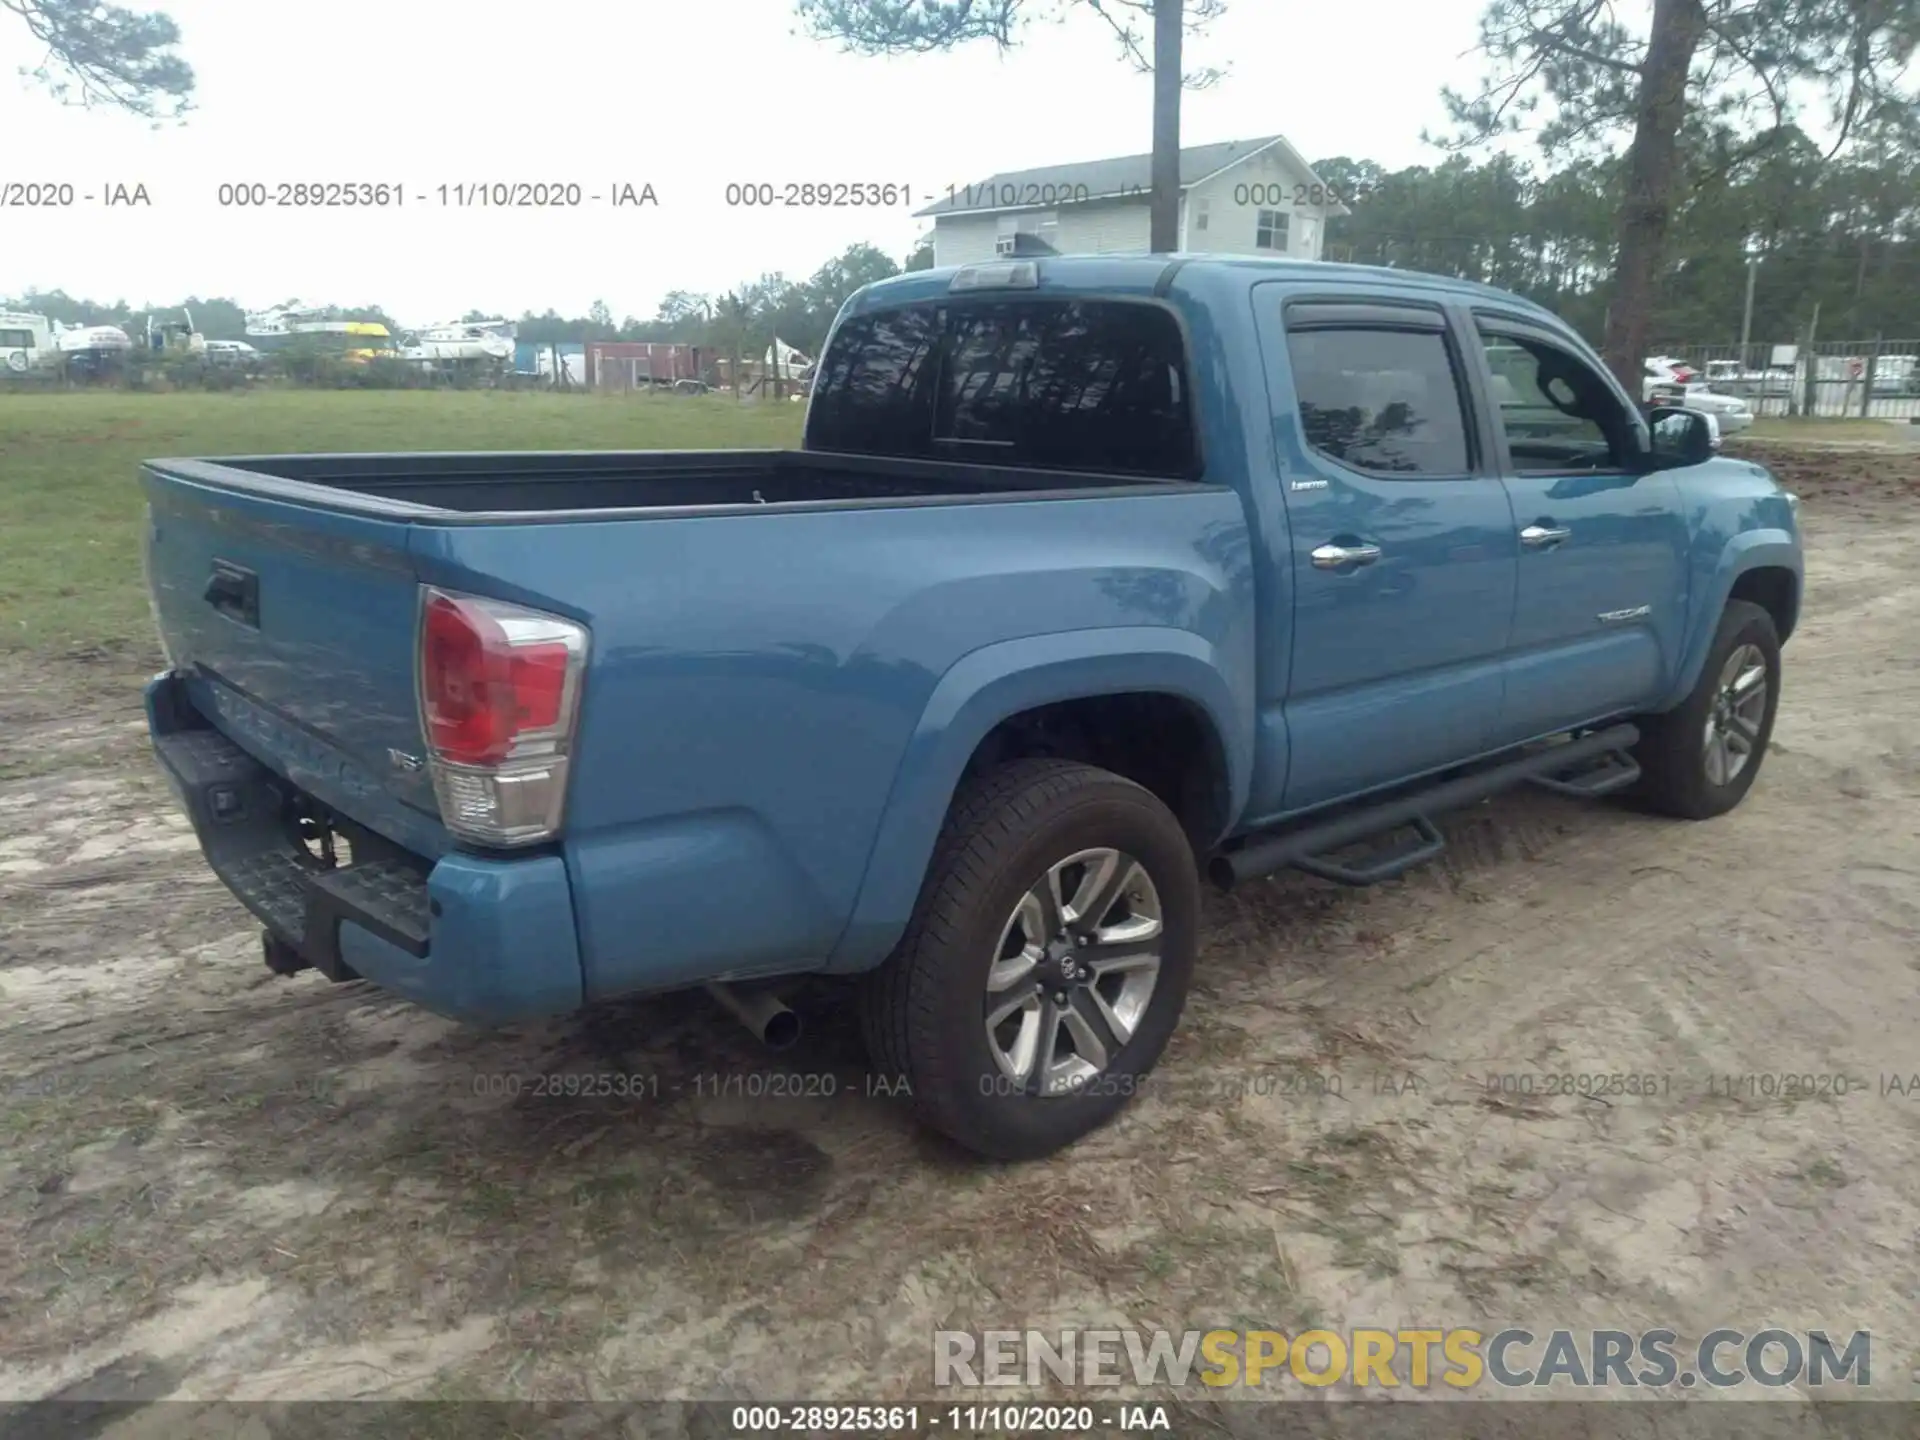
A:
<point x="756" y="674"/>
<point x="523" y="484"/>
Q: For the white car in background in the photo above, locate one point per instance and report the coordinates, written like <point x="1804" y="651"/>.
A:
<point x="1666" y="370"/>
<point x="1670" y="381"/>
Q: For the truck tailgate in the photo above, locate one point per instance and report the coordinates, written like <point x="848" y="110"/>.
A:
<point x="294" y="624"/>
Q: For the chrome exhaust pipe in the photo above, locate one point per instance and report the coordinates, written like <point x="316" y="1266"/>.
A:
<point x="762" y="1012"/>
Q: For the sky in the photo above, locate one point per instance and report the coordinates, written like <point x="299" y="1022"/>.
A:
<point x="687" y="98"/>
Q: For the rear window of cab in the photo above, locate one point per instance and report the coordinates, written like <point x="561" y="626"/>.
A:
<point x="1083" y="385"/>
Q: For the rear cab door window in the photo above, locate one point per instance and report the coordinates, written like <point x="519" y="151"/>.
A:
<point x="1382" y="401"/>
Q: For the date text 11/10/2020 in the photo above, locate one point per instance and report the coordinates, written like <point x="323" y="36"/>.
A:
<point x="456" y="194"/>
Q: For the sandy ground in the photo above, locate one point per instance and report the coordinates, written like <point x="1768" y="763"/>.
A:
<point x="218" y="1184"/>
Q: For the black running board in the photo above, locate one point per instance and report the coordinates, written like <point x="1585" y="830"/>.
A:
<point x="1604" y="775"/>
<point x="1387" y="863"/>
<point x="1591" y="765"/>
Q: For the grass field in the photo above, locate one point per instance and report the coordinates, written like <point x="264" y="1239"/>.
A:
<point x="70" y="498"/>
<point x="70" y="501"/>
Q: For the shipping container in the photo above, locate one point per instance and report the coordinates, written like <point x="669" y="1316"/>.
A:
<point x="645" y="364"/>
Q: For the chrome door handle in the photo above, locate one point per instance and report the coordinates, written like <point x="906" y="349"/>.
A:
<point x="1538" y="535"/>
<point x="1333" y="557"/>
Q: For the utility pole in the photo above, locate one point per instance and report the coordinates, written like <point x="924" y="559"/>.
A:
<point x="1746" y="317"/>
<point x="1163" y="208"/>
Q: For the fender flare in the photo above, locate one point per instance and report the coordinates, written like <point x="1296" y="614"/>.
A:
<point x="1750" y="550"/>
<point x="977" y="693"/>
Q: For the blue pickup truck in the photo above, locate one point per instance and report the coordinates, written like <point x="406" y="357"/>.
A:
<point x="1093" y="577"/>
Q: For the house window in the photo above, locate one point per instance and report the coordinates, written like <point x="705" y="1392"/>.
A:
<point x="1270" y="230"/>
<point x="1200" y="215"/>
<point x="1042" y="223"/>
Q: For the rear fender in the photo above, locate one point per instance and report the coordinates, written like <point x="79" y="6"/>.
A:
<point x="975" y="695"/>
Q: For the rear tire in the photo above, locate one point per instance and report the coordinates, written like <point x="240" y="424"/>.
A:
<point x="1699" y="759"/>
<point x="1051" y="879"/>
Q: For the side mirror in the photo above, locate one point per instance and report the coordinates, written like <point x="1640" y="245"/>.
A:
<point x="1682" y="436"/>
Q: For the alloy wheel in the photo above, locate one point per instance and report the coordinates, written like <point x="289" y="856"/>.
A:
<point x="1074" y="972"/>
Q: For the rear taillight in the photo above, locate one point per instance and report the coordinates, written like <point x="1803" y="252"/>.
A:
<point x="499" y="692"/>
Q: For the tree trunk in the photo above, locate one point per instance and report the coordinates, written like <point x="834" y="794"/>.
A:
<point x="1652" y="168"/>
<point x="1163" y="225"/>
<point x="1859" y="283"/>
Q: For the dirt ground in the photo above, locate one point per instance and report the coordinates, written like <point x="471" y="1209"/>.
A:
<point x="219" y="1184"/>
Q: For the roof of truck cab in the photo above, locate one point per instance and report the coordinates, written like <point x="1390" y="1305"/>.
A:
<point x="1135" y="272"/>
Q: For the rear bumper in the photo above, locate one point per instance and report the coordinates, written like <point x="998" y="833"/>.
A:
<point x="477" y="939"/>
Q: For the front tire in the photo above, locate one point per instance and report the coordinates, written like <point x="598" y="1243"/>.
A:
<point x="1700" y="759"/>
<point x="1046" y="963"/>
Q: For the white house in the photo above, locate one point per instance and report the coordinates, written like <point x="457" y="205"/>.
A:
<point x="1239" y="197"/>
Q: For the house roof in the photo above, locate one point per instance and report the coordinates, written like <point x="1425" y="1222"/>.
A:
<point x="1127" y="176"/>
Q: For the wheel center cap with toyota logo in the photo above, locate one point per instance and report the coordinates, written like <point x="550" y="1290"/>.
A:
<point x="1064" y="965"/>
